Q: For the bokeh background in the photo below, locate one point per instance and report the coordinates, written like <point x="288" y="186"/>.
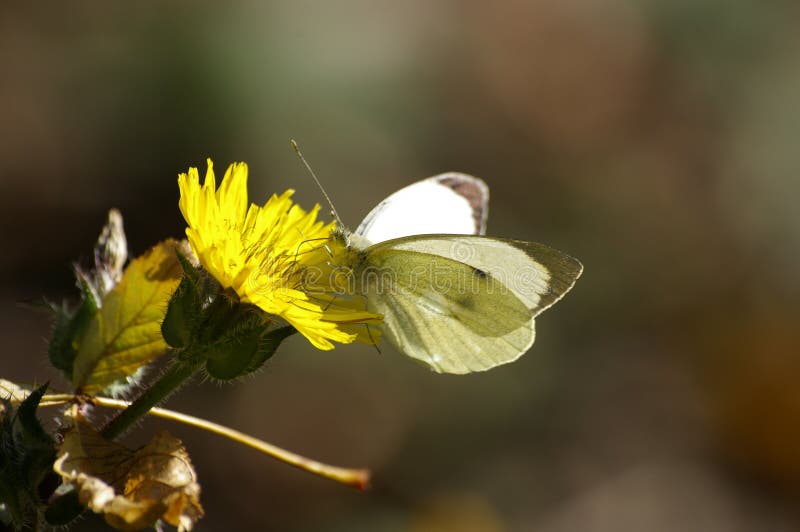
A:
<point x="656" y="140"/>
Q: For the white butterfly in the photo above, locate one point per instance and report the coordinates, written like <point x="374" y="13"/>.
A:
<point x="456" y="301"/>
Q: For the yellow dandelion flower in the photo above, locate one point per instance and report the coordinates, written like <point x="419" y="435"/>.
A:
<point x="274" y="256"/>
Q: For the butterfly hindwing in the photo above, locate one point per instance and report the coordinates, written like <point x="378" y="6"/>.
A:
<point x="447" y="314"/>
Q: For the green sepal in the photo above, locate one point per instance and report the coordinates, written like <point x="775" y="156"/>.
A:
<point x="245" y="352"/>
<point x="267" y="346"/>
<point x="64" y="509"/>
<point x="232" y="360"/>
<point x="69" y="328"/>
<point x="194" y="273"/>
<point x="184" y="311"/>
<point x="231" y="354"/>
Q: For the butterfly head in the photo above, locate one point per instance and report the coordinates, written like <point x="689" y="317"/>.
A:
<point x="352" y="242"/>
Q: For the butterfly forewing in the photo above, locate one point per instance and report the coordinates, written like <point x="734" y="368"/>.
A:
<point x="539" y="275"/>
<point x="446" y="203"/>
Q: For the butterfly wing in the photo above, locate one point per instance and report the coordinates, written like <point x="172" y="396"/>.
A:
<point x="464" y="303"/>
<point x="539" y="275"/>
<point x="444" y="313"/>
<point x="446" y="203"/>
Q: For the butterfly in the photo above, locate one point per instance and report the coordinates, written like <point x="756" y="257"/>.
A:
<point x="452" y="298"/>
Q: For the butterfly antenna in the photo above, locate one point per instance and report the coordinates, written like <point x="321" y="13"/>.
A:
<point x="314" y="177"/>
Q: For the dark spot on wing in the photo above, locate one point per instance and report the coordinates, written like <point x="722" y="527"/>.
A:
<point x="475" y="192"/>
<point x="467" y="301"/>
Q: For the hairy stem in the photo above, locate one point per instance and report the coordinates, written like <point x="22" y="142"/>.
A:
<point x="170" y="381"/>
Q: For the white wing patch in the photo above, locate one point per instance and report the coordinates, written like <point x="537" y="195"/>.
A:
<point x="447" y="203"/>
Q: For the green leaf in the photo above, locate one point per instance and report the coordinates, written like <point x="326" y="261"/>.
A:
<point x="32" y="430"/>
<point x="126" y="333"/>
<point x="68" y="329"/>
<point x="27" y="457"/>
<point x="36" y="449"/>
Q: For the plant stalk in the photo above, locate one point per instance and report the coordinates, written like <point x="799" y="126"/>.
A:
<point x="170" y="381"/>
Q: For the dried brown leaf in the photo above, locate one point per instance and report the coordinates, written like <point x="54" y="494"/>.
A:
<point x="131" y="488"/>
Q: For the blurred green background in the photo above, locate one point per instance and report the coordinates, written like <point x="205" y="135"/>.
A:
<point x="655" y="140"/>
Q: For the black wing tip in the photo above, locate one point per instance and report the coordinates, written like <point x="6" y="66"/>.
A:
<point x="576" y="264"/>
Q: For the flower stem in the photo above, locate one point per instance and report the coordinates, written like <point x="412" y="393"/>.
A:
<point x="358" y="478"/>
<point x="170" y="381"/>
